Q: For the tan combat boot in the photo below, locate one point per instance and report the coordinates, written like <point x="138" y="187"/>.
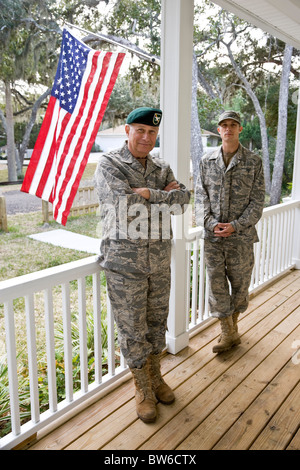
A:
<point x="235" y="317"/>
<point x="162" y="391"/>
<point x="144" y="395"/>
<point x="229" y="336"/>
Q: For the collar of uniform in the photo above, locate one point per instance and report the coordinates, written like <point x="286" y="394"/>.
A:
<point x="218" y="156"/>
<point x="237" y="157"/>
<point x="126" y="156"/>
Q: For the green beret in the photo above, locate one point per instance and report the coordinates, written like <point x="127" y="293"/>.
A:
<point x="230" y="115"/>
<point x="148" y="116"/>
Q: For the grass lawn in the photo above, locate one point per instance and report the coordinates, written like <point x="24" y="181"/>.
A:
<point x="22" y="255"/>
<point x="88" y="172"/>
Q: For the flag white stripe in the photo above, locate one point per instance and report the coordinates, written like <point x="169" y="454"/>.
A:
<point x="48" y="188"/>
<point x="92" y="122"/>
<point x="67" y="134"/>
<point x="45" y="152"/>
<point x="71" y="124"/>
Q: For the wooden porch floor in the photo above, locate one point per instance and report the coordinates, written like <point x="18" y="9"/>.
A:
<point x="246" y="398"/>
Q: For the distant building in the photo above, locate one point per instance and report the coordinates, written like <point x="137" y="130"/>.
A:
<point x="110" y="139"/>
<point x="210" y="139"/>
<point x="114" y="137"/>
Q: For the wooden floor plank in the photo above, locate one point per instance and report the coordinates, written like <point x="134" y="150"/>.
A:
<point x="215" y="370"/>
<point x="205" y="403"/>
<point x="176" y="376"/>
<point x="106" y="430"/>
<point x="87" y="419"/>
<point x="82" y="422"/>
<point x="282" y="427"/>
<point x="247" y="428"/>
<point x="216" y="396"/>
<point x="209" y="432"/>
<point x="295" y="442"/>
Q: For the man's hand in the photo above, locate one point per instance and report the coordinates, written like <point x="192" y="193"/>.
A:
<point x="171" y="186"/>
<point x="223" y="230"/>
<point x="144" y="192"/>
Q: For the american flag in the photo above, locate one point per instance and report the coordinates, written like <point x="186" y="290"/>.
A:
<point x="82" y="87"/>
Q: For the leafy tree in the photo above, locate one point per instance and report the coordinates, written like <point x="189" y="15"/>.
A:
<point x="229" y="58"/>
<point x="26" y="53"/>
<point x="129" y="94"/>
<point x="229" y="67"/>
<point x="30" y="35"/>
<point x="236" y="45"/>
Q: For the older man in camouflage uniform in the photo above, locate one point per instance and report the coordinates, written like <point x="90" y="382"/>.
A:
<point x="229" y="202"/>
<point x="135" y="190"/>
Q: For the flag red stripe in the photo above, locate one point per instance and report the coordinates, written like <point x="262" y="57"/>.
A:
<point x="89" y="81"/>
<point x="38" y="148"/>
<point x="84" y="130"/>
<point x="73" y="190"/>
<point x="51" y="157"/>
<point x="66" y="136"/>
<point x="93" y="137"/>
<point x="76" y="123"/>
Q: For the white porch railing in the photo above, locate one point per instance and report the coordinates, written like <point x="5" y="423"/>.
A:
<point x="46" y="281"/>
<point x="273" y="256"/>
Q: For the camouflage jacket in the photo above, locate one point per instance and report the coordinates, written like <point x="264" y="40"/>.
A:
<point x="234" y="194"/>
<point x="130" y="222"/>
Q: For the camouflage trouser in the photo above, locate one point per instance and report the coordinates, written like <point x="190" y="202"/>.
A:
<point x="229" y="267"/>
<point x="140" y="305"/>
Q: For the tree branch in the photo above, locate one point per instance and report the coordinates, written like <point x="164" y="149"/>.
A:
<point x="123" y="42"/>
<point x="30" y="125"/>
<point x="3" y="119"/>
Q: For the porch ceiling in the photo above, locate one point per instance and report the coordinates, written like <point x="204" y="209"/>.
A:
<point x="277" y="17"/>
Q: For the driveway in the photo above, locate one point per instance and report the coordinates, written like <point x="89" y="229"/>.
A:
<point x="19" y="202"/>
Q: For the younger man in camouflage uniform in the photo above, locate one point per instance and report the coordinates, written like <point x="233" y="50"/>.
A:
<point x="134" y="253"/>
<point x="229" y="202"/>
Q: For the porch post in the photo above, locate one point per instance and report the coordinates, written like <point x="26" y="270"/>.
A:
<point x="296" y="190"/>
<point x="176" y="88"/>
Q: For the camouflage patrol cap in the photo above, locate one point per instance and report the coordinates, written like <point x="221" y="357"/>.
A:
<point x="230" y="115"/>
<point x="148" y="116"/>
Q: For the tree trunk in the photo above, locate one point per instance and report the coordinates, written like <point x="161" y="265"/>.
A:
<point x="261" y="117"/>
<point x="11" y="151"/>
<point x="196" y="134"/>
<point x="282" y="126"/>
<point x="36" y="106"/>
